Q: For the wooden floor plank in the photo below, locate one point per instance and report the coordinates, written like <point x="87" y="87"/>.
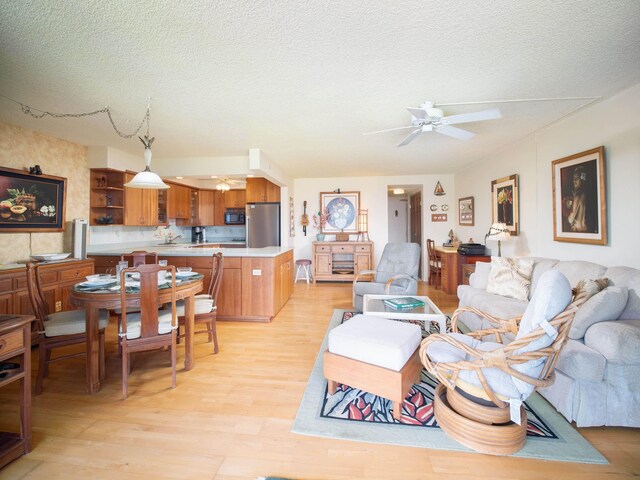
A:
<point x="230" y="418"/>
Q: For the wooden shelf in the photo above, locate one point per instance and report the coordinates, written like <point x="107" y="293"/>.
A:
<point x="341" y="261"/>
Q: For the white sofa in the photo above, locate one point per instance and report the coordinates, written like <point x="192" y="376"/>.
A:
<point x="598" y="375"/>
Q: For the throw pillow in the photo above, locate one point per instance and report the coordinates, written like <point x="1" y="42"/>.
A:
<point x="510" y="277"/>
<point x="605" y="305"/>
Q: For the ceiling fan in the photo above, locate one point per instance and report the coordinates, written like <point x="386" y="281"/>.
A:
<point x="224" y="184"/>
<point x="429" y="118"/>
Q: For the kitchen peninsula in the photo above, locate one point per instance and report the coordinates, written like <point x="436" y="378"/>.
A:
<point x="256" y="282"/>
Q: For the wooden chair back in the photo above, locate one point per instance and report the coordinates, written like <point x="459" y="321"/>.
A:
<point x="216" y="276"/>
<point x="431" y="252"/>
<point x="38" y="304"/>
<point x="148" y="298"/>
<point x="139" y="258"/>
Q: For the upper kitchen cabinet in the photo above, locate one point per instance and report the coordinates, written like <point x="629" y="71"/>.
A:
<point x="235" y="199"/>
<point x="141" y="205"/>
<point x="262" y="190"/>
<point x="106" y="196"/>
<point x="205" y="209"/>
<point x="179" y="202"/>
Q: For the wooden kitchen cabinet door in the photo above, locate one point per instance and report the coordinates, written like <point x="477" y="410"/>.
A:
<point x="230" y="294"/>
<point x="218" y="208"/>
<point x="206" y="208"/>
<point x="140" y="205"/>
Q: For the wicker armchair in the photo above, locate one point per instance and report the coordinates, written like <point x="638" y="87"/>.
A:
<point x="484" y="382"/>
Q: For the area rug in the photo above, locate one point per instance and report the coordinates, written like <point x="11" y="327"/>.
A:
<point x="352" y="414"/>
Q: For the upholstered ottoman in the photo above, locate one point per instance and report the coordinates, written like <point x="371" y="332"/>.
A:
<point x="376" y="355"/>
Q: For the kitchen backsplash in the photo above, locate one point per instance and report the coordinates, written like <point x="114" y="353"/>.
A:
<point x="118" y="234"/>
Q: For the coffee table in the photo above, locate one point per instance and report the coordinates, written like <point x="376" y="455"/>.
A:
<point x="373" y="305"/>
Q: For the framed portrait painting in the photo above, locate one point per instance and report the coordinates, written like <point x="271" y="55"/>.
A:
<point x="504" y="201"/>
<point x="579" y="198"/>
<point x="465" y="212"/>
<point x="343" y="210"/>
<point x="31" y="203"/>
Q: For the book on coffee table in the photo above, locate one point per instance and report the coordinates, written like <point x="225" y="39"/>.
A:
<point x="403" y="303"/>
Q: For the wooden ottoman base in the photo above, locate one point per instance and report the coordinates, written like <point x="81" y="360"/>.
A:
<point x="502" y="439"/>
<point x="380" y="381"/>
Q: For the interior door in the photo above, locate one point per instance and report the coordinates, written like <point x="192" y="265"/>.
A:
<point x="415" y="228"/>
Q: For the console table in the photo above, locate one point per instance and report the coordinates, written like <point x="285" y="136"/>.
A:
<point x="15" y="345"/>
<point x="341" y="261"/>
<point x="452" y="263"/>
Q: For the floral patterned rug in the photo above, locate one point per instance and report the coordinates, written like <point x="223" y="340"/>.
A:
<point x="357" y="415"/>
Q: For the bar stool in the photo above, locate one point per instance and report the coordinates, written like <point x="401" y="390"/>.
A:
<point x="305" y="265"/>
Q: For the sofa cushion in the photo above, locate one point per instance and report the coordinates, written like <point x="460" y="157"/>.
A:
<point x="480" y="276"/>
<point x="603" y="306"/>
<point x="630" y="278"/>
<point x="510" y="277"/>
<point x="618" y="341"/>
<point x="540" y="265"/>
<point x="576" y="356"/>
<point x="577" y="270"/>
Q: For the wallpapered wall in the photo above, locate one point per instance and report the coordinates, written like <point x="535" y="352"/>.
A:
<point x="20" y="148"/>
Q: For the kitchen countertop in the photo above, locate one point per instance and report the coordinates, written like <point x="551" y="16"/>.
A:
<point x="188" y="250"/>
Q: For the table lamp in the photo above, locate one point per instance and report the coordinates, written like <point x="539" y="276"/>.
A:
<point x="498" y="231"/>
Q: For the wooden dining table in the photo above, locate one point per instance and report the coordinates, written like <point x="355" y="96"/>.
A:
<point x="94" y="300"/>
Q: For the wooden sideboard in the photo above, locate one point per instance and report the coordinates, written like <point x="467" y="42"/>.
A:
<point x="57" y="279"/>
<point x="452" y="262"/>
<point x="341" y="261"/>
<point x="15" y="345"/>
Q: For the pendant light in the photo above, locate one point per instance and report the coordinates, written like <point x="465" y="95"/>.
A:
<point x="146" y="178"/>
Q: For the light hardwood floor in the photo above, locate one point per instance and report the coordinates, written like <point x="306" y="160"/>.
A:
<point x="230" y="417"/>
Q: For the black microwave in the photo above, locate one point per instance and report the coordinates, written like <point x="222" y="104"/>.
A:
<point x="234" y="217"/>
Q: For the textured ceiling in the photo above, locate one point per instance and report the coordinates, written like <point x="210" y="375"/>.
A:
<point x="303" y="80"/>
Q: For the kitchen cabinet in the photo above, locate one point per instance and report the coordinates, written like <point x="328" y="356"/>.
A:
<point x="56" y="278"/>
<point x="141" y="205"/>
<point x="218" y="208"/>
<point x="235" y="199"/>
<point x="229" y="296"/>
<point x="178" y="202"/>
<point x="15" y="338"/>
<point x="205" y="208"/>
<point x="261" y="190"/>
<point x="341" y="261"/>
<point x="106" y="196"/>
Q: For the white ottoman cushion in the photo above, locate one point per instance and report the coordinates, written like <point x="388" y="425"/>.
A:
<point x="378" y="341"/>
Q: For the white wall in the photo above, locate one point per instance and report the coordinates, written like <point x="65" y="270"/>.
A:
<point x="614" y="123"/>
<point x="373" y="196"/>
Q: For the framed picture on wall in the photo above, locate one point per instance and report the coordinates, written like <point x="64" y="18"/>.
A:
<point x="465" y="211"/>
<point x="504" y="202"/>
<point x="343" y="210"/>
<point x="580" y="198"/>
<point x="31" y="203"/>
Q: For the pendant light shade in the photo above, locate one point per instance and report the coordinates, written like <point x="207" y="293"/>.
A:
<point x="146" y="178"/>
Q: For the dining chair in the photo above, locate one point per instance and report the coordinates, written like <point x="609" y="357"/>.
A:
<point x="205" y="305"/>
<point x="435" y="264"/>
<point x="151" y="328"/>
<point x="139" y="257"/>
<point x="60" y="329"/>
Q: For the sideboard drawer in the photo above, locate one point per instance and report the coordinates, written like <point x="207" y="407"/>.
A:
<point x="323" y="248"/>
<point x="75" y="273"/>
<point x="342" y="248"/>
<point x="363" y="248"/>
<point x="45" y="279"/>
<point x="11" y="342"/>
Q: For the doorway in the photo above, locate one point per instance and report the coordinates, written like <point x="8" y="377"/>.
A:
<point x="405" y="215"/>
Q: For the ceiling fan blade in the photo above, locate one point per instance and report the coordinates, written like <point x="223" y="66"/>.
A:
<point x="418" y="113"/>
<point x="455" y="132"/>
<point x="490" y="114"/>
<point x="389" y="130"/>
<point x="410" y="137"/>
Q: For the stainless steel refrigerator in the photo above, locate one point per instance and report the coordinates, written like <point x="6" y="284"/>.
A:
<point x="263" y="225"/>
